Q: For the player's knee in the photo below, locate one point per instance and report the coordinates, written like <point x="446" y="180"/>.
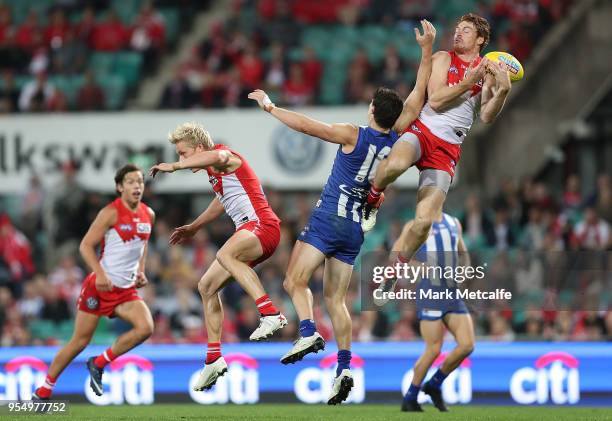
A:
<point x="422" y="225"/>
<point x="333" y="301"/>
<point x="204" y="289"/>
<point x="294" y="281"/>
<point x="80" y="343"/>
<point x="434" y="348"/>
<point x="466" y="348"/>
<point x="145" y="330"/>
<point x="223" y="257"/>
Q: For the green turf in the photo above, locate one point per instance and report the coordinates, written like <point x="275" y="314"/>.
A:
<point x="296" y="412"/>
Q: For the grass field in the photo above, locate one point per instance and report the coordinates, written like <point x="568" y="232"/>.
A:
<point x="294" y="412"/>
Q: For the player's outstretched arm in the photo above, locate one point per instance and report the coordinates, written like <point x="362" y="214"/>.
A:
<point x="200" y="160"/>
<point x="416" y="99"/>
<point x="495" y="90"/>
<point x="105" y="219"/>
<point x="212" y="212"/>
<point x="442" y="96"/>
<point x="340" y="133"/>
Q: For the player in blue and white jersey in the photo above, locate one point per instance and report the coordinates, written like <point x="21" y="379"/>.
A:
<point x="445" y="250"/>
<point x="333" y="234"/>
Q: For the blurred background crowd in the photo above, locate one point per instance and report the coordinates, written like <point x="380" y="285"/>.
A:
<point x="101" y="55"/>
<point x="41" y="272"/>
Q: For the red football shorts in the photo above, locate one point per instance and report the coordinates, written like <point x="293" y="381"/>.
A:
<point x="103" y="303"/>
<point x="436" y="153"/>
<point x="268" y="234"/>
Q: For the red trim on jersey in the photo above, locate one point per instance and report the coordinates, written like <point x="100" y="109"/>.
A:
<point x="457" y="70"/>
<point x="251" y="185"/>
<point x="130" y="223"/>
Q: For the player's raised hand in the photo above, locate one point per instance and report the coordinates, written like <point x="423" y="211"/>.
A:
<point x="263" y="100"/>
<point x="141" y="280"/>
<point x="429" y="34"/>
<point x="161" y="167"/>
<point x="103" y="284"/>
<point x="182" y="234"/>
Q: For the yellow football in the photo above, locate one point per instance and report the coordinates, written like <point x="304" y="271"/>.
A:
<point x="515" y="68"/>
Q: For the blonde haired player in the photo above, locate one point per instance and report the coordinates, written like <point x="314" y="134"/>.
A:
<point x="122" y="229"/>
<point x="238" y="193"/>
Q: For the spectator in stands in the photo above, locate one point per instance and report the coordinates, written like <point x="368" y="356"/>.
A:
<point x="177" y="93"/>
<point x="391" y="72"/>
<point x="36" y="94"/>
<point x="15" y="255"/>
<point x="148" y="34"/>
<point x="70" y="57"/>
<point x="55" y="33"/>
<point x="63" y="212"/>
<point x="66" y="277"/>
<point x="9" y="94"/>
<point x="84" y="29"/>
<point x="502" y="236"/>
<point x="593" y="233"/>
<point x="601" y="200"/>
<point x="251" y="68"/>
<point x="296" y="91"/>
<point x="90" y="96"/>
<point x="276" y="72"/>
<point x="572" y="198"/>
<point x="476" y="223"/>
<point x="312" y="68"/>
<point x="55" y="307"/>
<point x="110" y="35"/>
<point x="358" y="77"/>
<point x="31" y="303"/>
<point x="29" y="34"/>
<point x="31" y="208"/>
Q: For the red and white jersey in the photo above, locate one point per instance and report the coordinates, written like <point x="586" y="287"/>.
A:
<point x="123" y="244"/>
<point x="240" y="193"/>
<point x="453" y="124"/>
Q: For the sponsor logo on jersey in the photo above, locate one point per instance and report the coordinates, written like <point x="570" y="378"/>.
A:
<point x="453" y="69"/>
<point x="143" y="228"/>
<point x="125" y="227"/>
<point x="415" y="128"/>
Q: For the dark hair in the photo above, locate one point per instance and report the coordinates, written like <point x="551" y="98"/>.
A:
<point x="387" y="107"/>
<point x="121" y="172"/>
<point x="483" y="29"/>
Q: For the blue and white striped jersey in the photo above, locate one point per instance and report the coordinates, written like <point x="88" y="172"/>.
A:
<point x="347" y="187"/>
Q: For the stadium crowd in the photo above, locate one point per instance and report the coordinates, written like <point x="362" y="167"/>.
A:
<point x="87" y="55"/>
<point x="336" y="51"/>
<point x="41" y="272"/>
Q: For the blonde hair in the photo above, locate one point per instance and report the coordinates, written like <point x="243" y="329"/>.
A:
<point x="192" y="133"/>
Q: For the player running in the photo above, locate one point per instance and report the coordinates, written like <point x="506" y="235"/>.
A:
<point x="433" y="142"/>
<point x="122" y="229"/>
<point x="333" y="234"/>
<point x="240" y="195"/>
<point x="444" y="248"/>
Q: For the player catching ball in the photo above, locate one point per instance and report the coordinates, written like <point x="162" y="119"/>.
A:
<point x="122" y="229"/>
<point x="238" y="193"/>
<point x="456" y="94"/>
<point x="333" y="234"/>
